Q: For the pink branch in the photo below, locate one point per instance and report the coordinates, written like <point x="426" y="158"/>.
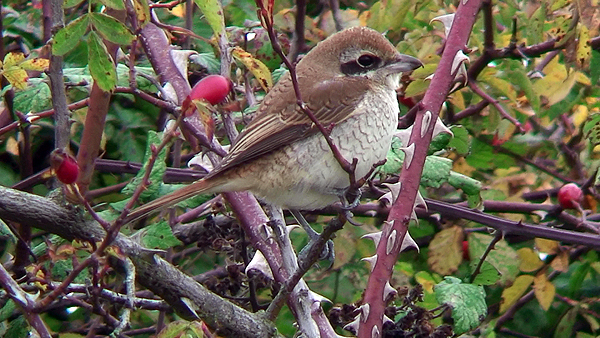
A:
<point x="395" y="229"/>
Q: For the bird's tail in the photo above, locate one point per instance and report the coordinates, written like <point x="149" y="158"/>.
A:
<point x="196" y="188"/>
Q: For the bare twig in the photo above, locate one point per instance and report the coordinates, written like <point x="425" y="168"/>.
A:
<point x="298" y="44"/>
<point x="57" y="85"/>
<point x="24" y="301"/>
<point x="489" y="248"/>
<point x="473" y="85"/>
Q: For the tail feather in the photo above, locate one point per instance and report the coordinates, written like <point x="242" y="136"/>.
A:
<point x="196" y="188"/>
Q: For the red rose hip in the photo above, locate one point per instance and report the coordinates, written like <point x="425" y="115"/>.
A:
<point x="213" y="88"/>
<point x="65" y="166"/>
<point x="570" y="196"/>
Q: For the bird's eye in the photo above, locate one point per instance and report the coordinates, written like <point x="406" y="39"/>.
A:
<point x="361" y="65"/>
<point x="366" y="60"/>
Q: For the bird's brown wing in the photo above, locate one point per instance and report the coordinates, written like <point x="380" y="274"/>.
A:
<point x="279" y="123"/>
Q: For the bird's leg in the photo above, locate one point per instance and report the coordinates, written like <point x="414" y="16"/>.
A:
<point x="328" y="252"/>
<point x="346" y="206"/>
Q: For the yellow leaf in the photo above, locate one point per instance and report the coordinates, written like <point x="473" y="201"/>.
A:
<point x="561" y="262"/>
<point x="490" y="76"/>
<point x="345" y="248"/>
<point x="12" y="59"/>
<point x="426" y="280"/>
<point x="179" y="11"/>
<point x="583" y="79"/>
<point x="205" y="112"/>
<point x="37" y="64"/>
<point x="416" y="87"/>
<point x="445" y="250"/>
<point x="594" y="325"/>
<point x="17" y="77"/>
<point x="512" y="294"/>
<point x="142" y="11"/>
<point x="547" y="246"/>
<point x="544" y="290"/>
<point x="529" y="260"/>
<point x="213" y="14"/>
<point x="458" y="100"/>
<point x="41" y="276"/>
<point x="584" y="49"/>
<point x="12" y="146"/>
<point x="557" y="83"/>
<point x="257" y="68"/>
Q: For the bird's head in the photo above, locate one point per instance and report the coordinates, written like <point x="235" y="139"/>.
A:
<point x="358" y="51"/>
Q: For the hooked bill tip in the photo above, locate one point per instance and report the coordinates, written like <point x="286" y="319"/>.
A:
<point x="405" y="63"/>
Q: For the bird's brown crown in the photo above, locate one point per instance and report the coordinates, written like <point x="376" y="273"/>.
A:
<point x="352" y="51"/>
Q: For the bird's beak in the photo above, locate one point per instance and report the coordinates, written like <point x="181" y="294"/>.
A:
<point x="404" y="63"/>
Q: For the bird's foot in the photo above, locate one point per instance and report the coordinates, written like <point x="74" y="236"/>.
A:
<point x="327" y="253"/>
<point x="350" y="218"/>
<point x="349" y="206"/>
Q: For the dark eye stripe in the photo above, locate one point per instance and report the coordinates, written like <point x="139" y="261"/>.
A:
<point x="363" y="64"/>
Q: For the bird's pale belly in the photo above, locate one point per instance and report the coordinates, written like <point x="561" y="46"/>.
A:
<point x="306" y="176"/>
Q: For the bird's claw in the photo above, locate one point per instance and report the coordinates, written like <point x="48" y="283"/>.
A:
<point x="328" y="252"/>
<point x="350" y="218"/>
<point x="349" y="206"/>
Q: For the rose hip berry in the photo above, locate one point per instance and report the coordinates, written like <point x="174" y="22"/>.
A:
<point x="570" y="196"/>
<point x="65" y="166"/>
<point x="213" y="88"/>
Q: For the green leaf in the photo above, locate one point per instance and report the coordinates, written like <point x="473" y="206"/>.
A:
<point x="460" y="142"/>
<point x="488" y="274"/>
<point x="207" y="61"/>
<point x="7" y="310"/>
<point x="152" y="191"/>
<point x="213" y="13"/>
<point x="595" y="67"/>
<point x="158" y="236"/>
<point x="577" y="279"/>
<point x="591" y="129"/>
<point x="18" y="328"/>
<point x="483" y="156"/>
<point x="111" y="29"/>
<point x="466" y="300"/>
<point x="115" y="4"/>
<point x="395" y="158"/>
<point x="439" y="142"/>
<point x="518" y="75"/>
<point x="503" y="257"/>
<point x="7" y="235"/>
<point x="102" y="67"/>
<point x="141" y="82"/>
<point x="71" y="3"/>
<point x="35" y="98"/>
<point x="535" y="25"/>
<point x="436" y="171"/>
<point x="63" y="267"/>
<point x="68" y="37"/>
<point x="388" y="15"/>
<point x="182" y="328"/>
<point x="471" y="187"/>
<point x="566" y="324"/>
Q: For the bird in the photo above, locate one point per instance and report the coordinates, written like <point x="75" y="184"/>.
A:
<point x="349" y="82"/>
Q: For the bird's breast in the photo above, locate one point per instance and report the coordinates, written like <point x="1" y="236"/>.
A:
<point x="305" y="175"/>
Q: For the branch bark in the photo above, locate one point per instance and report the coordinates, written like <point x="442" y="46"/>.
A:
<point x="153" y="272"/>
